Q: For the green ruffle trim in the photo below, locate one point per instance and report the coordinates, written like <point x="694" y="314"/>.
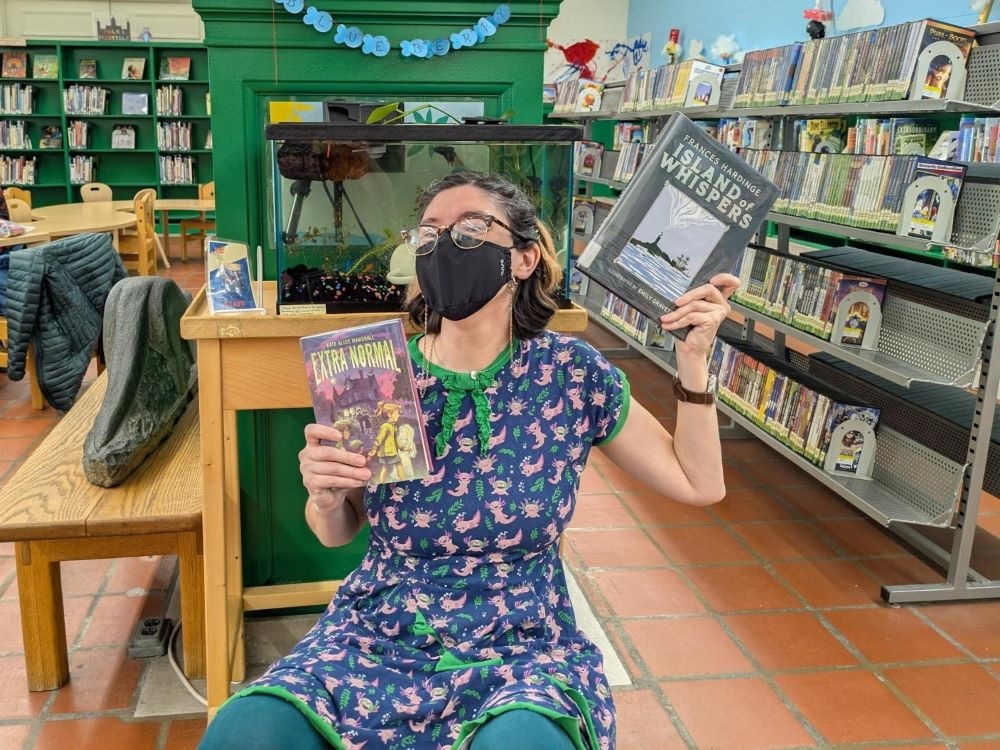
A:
<point x="457" y="384"/>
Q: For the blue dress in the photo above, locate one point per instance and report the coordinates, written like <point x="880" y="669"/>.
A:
<point x="459" y="610"/>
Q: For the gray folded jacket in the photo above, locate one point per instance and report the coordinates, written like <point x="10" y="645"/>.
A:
<point x="151" y="377"/>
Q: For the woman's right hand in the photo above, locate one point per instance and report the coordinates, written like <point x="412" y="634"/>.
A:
<point x="328" y="472"/>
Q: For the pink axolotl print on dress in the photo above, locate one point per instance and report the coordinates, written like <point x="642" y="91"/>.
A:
<point x="460" y="604"/>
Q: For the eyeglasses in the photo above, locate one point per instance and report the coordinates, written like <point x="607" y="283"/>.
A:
<point x="468" y="233"/>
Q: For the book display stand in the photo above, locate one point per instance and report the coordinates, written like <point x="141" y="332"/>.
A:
<point x="935" y="340"/>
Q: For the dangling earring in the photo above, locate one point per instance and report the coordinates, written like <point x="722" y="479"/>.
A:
<point x="422" y="371"/>
<point x="512" y="287"/>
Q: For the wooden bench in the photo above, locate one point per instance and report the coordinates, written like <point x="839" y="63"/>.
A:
<point x="52" y="513"/>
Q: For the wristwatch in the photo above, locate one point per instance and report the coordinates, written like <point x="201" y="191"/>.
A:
<point x="695" y="397"/>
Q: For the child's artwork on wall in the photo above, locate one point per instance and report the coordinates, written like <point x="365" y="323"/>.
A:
<point x="598" y="60"/>
<point x="860" y="13"/>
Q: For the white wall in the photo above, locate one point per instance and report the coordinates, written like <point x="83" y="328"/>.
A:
<point x="580" y="19"/>
<point x="168" y="20"/>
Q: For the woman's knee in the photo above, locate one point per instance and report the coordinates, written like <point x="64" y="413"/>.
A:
<point x="261" y="722"/>
<point x="523" y="729"/>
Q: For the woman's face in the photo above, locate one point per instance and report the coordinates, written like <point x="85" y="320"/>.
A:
<point x="453" y="203"/>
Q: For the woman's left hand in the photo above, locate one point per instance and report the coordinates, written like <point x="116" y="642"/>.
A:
<point x="703" y="309"/>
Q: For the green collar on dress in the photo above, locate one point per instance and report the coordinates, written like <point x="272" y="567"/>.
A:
<point x="456" y="384"/>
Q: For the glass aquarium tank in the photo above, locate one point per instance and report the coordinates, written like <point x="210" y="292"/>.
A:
<point x="341" y="192"/>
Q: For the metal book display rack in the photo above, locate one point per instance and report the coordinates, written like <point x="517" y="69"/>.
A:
<point x="930" y="467"/>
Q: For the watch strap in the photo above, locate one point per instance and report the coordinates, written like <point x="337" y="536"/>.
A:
<point x="693" y="397"/>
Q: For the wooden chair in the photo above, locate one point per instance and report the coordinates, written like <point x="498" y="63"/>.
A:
<point x="37" y="399"/>
<point x="19" y="193"/>
<point x="201" y="225"/>
<point x="95" y="192"/>
<point x="20" y="212"/>
<point x="138" y="251"/>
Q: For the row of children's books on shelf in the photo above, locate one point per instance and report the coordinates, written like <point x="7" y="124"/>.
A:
<point x="692" y="83"/>
<point x="14" y="135"/>
<point x="46" y="66"/>
<point x="578" y="95"/>
<point x="82" y="169"/>
<point x="917" y="60"/>
<point x="177" y="170"/>
<point x="174" y="136"/>
<point x="85" y="100"/>
<point x="631" y="132"/>
<point x="843" y="308"/>
<point x="170" y="100"/>
<point x="737" y="133"/>
<point x="629" y="158"/>
<point x="634" y="324"/>
<point x="978" y="139"/>
<point x="913" y="196"/>
<point x="78" y="132"/>
<point x="17" y="170"/>
<point x="828" y="428"/>
<point x="17" y="99"/>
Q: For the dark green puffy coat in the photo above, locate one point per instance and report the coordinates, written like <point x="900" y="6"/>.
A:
<point x="55" y="299"/>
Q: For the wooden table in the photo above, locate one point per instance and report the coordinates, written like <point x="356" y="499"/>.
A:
<point x="67" y="219"/>
<point x="165" y="206"/>
<point x="34" y="237"/>
<point x="253" y="361"/>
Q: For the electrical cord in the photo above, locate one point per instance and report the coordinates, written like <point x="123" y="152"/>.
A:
<point x="180" y="672"/>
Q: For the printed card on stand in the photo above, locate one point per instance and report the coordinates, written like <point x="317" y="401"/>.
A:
<point x="230" y="287"/>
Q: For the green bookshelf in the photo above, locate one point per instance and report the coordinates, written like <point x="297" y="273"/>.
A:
<point x="124" y="170"/>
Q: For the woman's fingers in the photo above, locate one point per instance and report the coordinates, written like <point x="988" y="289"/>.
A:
<point x="726" y="283"/>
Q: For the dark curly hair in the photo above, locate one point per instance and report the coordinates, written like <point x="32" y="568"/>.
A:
<point x="534" y="304"/>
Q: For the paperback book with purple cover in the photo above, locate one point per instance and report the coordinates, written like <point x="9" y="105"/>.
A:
<point x="361" y="381"/>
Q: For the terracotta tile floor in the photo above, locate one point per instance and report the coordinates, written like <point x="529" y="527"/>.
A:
<point x="756" y="623"/>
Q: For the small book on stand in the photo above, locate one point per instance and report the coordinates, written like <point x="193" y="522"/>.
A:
<point x="230" y="286"/>
<point x="686" y="215"/>
<point x="362" y="384"/>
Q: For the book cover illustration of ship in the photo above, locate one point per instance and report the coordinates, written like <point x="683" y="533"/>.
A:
<point x="686" y="215"/>
<point x="361" y="381"/>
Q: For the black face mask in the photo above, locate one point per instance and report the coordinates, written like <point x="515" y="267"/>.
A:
<point x="457" y="283"/>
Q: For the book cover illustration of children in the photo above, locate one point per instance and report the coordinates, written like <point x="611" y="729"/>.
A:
<point x="362" y="383"/>
<point x="702" y="93"/>
<point x="589" y="96"/>
<point x="938" y="74"/>
<point x="924" y="213"/>
<point x="175" y="68"/>
<point x="855" y="320"/>
<point x="849" y="451"/>
<point x="133" y="68"/>
<point x="45" y="66"/>
<point x="942" y="48"/>
<point x="230" y="286"/>
<point x="854" y="328"/>
<point x="15" y="65"/>
<point x="88" y="69"/>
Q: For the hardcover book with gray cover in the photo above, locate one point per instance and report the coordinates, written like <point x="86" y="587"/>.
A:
<point x="685" y="216"/>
